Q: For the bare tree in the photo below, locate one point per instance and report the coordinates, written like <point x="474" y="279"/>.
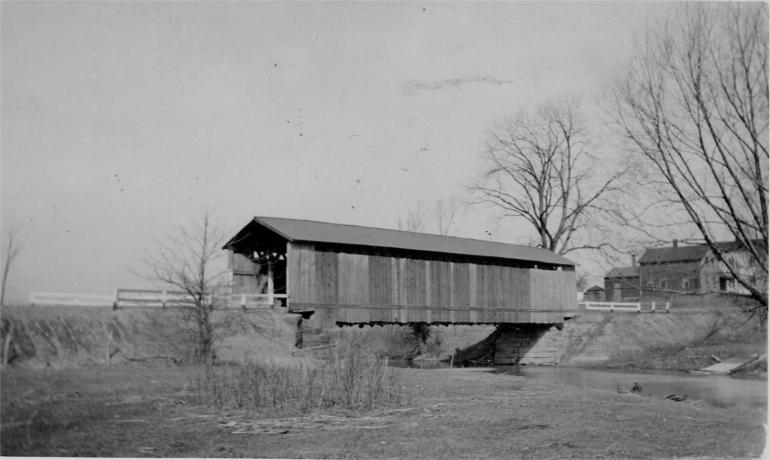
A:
<point x="693" y="106"/>
<point x="443" y="215"/>
<point x="540" y="169"/>
<point x="187" y="261"/>
<point x="14" y="242"/>
<point x="446" y="211"/>
<point x="414" y="219"/>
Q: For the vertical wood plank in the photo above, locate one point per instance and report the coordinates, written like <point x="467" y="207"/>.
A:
<point x="472" y="281"/>
<point x="402" y="294"/>
<point x="427" y="283"/>
<point x="326" y="277"/>
<point x="380" y="289"/>
<point x="394" y="300"/>
<point x="291" y="271"/>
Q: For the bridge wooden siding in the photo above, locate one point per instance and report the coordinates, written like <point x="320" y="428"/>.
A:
<point x="362" y="288"/>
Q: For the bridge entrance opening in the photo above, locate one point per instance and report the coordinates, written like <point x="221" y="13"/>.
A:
<point x="260" y="270"/>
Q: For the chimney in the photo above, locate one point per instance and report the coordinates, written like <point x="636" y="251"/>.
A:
<point x="676" y="243"/>
<point x="633" y="260"/>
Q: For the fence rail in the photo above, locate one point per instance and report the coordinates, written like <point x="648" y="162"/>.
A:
<point x="146" y="298"/>
<point x="69" y="299"/>
<point x="627" y="306"/>
<point x="143" y="298"/>
<point x="612" y="306"/>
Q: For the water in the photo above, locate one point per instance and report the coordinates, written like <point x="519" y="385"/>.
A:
<point x="716" y="390"/>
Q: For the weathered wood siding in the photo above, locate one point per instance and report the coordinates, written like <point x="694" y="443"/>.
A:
<point x="363" y="288"/>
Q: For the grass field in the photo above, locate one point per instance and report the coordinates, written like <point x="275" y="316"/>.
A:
<point x="137" y="411"/>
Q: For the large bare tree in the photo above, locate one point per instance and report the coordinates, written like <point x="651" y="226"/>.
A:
<point x="693" y="105"/>
<point x="540" y="168"/>
<point x="187" y="260"/>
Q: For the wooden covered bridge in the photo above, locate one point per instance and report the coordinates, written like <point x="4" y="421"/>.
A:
<point x="346" y="274"/>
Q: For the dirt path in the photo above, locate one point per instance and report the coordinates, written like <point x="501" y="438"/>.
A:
<point x="453" y="413"/>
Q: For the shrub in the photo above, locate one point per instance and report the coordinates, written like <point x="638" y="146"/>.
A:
<point x="351" y="379"/>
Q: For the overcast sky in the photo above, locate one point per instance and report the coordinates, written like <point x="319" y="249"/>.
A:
<point x="122" y="121"/>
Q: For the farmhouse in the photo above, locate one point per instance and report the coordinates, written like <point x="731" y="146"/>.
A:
<point x="678" y="269"/>
<point x="346" y="274"/>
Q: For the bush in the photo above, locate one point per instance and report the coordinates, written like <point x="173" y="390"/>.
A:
<point x="351" y="379"/>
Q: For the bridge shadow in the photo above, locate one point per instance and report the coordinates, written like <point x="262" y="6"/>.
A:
<point x="510" y="344"/>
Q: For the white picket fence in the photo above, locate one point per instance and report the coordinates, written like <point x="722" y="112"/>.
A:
<point x="626" y="306"/>
<point x="143" y="298"/>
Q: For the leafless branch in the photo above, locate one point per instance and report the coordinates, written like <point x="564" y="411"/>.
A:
<point x="540" y="168"/>
<point x="693" y="105"/>
<point x="186" y="261"/>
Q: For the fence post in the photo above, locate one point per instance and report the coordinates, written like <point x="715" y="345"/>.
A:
<point x="163" y="299"/>
<point x="653" y="307"/>
<point x="243" y="300"/>
<point x="117" y="296"/>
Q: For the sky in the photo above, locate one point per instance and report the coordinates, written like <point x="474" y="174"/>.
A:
<point x="122" y="122"/>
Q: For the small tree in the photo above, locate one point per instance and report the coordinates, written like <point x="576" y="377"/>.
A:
<point x="187" y="261"/>
<point x="12" y="246"/>
<point x="540" y="169"/>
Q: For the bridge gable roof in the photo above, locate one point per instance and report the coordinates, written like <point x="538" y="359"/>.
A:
<point x="298" y="230"/>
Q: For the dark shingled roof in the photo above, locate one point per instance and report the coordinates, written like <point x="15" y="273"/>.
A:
<point x="295" y="230"/>
<point x="623" y="272"/>
<point x="672" y="254"/>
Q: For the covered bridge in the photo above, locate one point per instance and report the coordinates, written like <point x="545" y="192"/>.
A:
<point x="347" y="274"/>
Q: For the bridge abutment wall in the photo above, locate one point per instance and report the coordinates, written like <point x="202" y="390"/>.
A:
<point x="535" y="344"/>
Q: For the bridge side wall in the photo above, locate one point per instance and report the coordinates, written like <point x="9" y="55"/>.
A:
<point x="360" y="288"/>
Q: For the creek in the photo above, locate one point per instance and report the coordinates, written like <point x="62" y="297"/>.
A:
<point x="716" y="390"/>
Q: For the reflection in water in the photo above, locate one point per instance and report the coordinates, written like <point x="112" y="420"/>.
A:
<point x="721" y="391"/>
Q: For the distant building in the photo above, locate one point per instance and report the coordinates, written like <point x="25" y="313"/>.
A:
<point x="663" y="271"/>
<point x="714" y="275"/>
<point x="676" y="269"/>
<point x="621" y="284"/>
<point x="593" y="294"/>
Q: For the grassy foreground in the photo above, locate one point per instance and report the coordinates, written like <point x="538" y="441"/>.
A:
<point x="135" y="411"/>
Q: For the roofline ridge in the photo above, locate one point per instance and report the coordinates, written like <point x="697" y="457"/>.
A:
<point x="408" y="231"/>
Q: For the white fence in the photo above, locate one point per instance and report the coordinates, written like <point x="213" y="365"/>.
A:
<point x="143" y="298"/>
<point x="626" y="306"/>
<point x="65" y="299"/>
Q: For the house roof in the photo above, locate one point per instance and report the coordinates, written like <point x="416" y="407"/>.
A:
<point x="674" y="254"/>
<point x="623" y="272"/>
<point x="295" y="230"/>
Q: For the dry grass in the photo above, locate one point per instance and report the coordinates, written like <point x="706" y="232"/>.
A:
<point x="351" y="379"/>
<point x="131" y="411"/>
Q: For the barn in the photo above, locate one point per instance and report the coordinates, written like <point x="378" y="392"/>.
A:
<point x="346" y="274"/>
